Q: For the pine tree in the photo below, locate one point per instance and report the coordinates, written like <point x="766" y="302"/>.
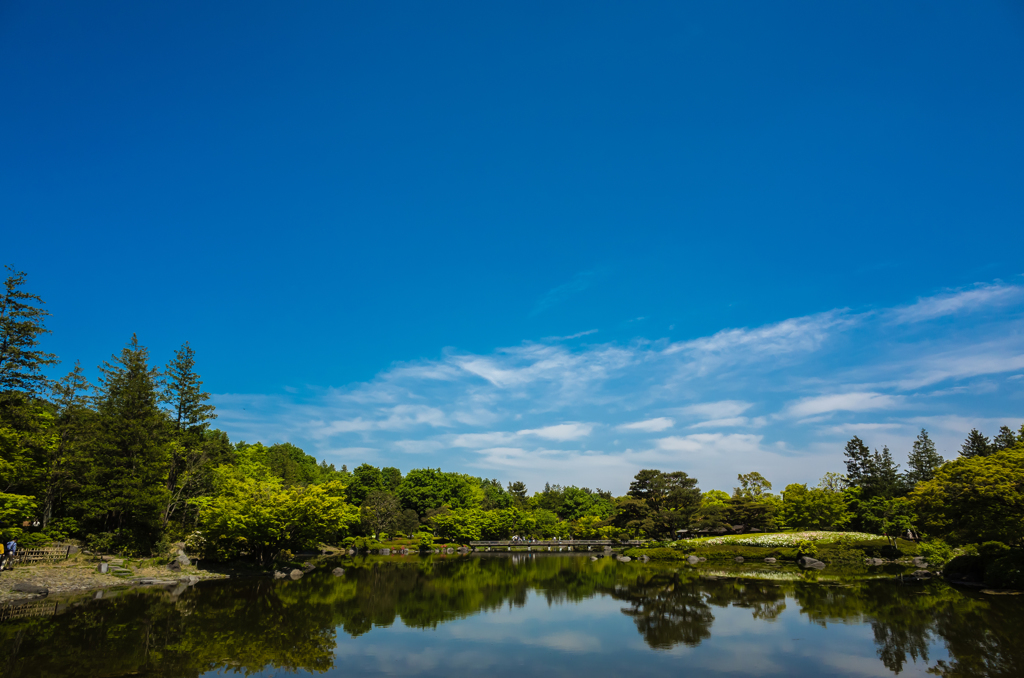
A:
<point x="976" y="445"/>
<point x="191" y="414"/>
<point x="22" y="322"/>
<point x="1006" y="438"/>
<point x="886" y="481"/>
<point x="859" y="462"/>
<point x="923" y="460"/>
<point x="127" y="485"/>
<point x="70" y="433"/>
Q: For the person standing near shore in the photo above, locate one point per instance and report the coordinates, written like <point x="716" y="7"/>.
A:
<point x="3" y="554"/>
<point x="10" y="548"/>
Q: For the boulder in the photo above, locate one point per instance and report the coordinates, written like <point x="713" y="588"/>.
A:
<point x="280" y="575"/>
<point x="809" y="563"/>
<point x="192" y="580"/>
<point x="769" y="560"/>
<point x="102" y="568"/>
<point x="593" y="557"/>
<point x="338" y="571"/>
<point x="645" y="558"/>
<point x="183" y="560"/>
<point x="623" y="559"/>
<point x="295" y="574"/>
<point x="449" y="550"/>
<point x="922" y="574"/>
<point x="874" y="561"/>
<point x="72" y="550"/>
<point x="26" y="587"/>
<point x="738" y="559"/>
<point x="308" y="567"/>
<point x="703" y="560"/>
<point x="351" y="552"/>
<point x="385" y="552"/>
<point x="174" y="566"/>
<point x="692" y="560"/>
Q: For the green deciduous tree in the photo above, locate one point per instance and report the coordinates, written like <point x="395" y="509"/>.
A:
<point x="262" y="517"/>
<point x="975" y="499"/>
<point x="380" y="512"/>
<point x="816" y="508"/>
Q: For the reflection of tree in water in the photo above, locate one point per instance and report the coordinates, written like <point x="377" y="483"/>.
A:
<point x="248" y="626"/>
<point x="666" y="608"/>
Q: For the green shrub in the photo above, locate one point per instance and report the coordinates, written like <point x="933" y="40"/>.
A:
<point x="965" y="568"/>
<point x="1007" y="571"/>
<point x="33" y="540"/>
<point x="807" y="548"/>
<point x="993" y="549"/>
<point x="936" y="552"/>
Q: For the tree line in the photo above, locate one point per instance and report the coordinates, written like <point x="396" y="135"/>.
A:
<point x="133" y="463"/>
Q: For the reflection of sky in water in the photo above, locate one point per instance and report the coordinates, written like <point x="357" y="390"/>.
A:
<point x="594" y="637"/>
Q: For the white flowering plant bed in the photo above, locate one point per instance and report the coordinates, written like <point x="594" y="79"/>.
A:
<point x="784" y="539"/>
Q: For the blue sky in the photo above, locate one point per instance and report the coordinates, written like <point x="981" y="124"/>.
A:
<point x="541" y="242"/>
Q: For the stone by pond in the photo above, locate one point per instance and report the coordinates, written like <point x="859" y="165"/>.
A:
<point x="524" y="614"/>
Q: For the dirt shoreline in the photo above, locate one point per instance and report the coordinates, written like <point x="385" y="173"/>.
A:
<point x="79" y="575"/>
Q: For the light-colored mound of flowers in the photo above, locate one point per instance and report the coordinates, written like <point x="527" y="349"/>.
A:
<point x="785" y="540"/>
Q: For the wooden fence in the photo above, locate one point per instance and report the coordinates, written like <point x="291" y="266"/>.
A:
<point x="20" y="611"/>
<point x="49" y="554"/>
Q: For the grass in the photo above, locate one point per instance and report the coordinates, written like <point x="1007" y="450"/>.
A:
<point x="784" y="539"/>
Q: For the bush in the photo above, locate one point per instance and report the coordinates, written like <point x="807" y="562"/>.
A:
<point x="993" y="549"/>
<point x="807" y="548"/>
<point x="936" y="552"/>
<point x="33" y="540"/>
<point x="1007" y="571"/>
<point x="965" y="568"/>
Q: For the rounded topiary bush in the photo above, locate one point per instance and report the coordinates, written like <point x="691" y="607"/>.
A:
<point x="1006" y="572"/>
<point x="965" y="568"/>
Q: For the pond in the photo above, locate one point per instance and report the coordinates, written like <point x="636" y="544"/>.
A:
<point x="515" y="615"/>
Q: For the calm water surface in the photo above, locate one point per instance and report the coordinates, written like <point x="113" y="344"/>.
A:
<point x="503" y="616"/>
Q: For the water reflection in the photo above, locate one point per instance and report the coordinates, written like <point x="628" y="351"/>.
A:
<point x="249" y="626"/>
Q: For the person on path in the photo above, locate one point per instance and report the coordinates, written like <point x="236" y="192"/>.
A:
<point x="12" y="548"/>
<point x="3" y="555"/>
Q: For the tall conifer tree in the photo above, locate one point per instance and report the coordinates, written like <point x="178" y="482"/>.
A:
<point x="22" y="322"/>
<point x="1006" y="438"/>
<point x="191" y="414"/>
<point x="976" y="445"/>
<point x="128" y="483"/>
<point x="923" y="460"/>
<point x="70" y="433"/>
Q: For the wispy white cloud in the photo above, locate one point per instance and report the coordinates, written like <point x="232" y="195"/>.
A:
<point x="845" y="402"/>
<point x="560" y="432"/>
<point x="716" y="410"/>
<point x="649" y="425"/>
<point x="958" y="301"/>
<point x="808" y="379"/>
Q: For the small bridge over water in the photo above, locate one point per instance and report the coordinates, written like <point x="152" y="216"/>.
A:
<point x="548" y="544"/>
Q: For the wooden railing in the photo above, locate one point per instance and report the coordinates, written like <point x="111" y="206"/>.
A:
<point x="50" y="554"/>
<point x="546" y="542"/>
<point x="41" y="609"/>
